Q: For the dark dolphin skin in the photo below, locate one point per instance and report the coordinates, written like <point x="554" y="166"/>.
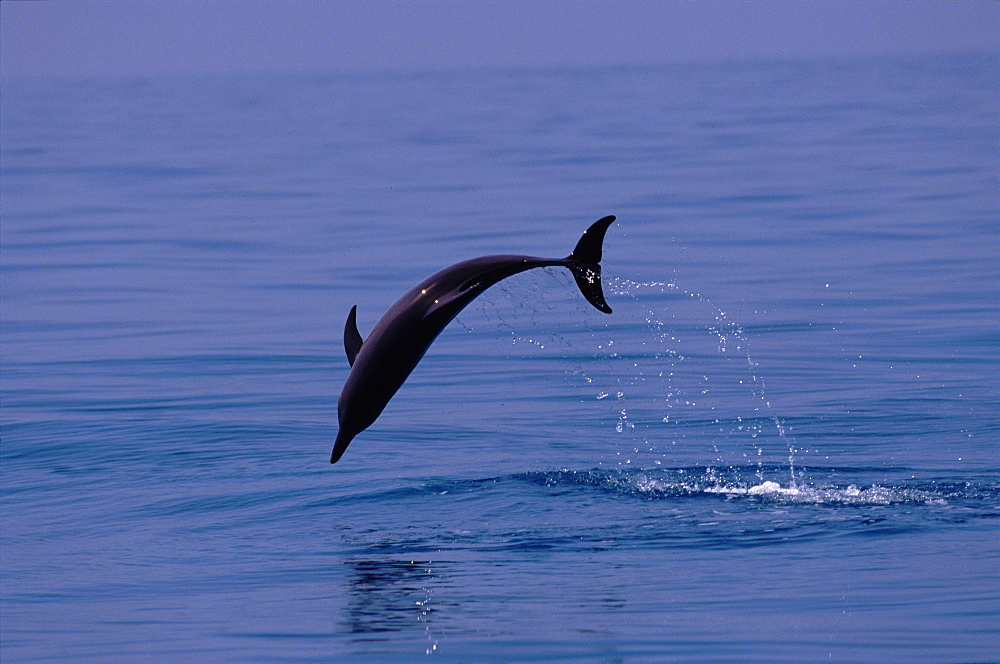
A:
<point x="381" y="363"/>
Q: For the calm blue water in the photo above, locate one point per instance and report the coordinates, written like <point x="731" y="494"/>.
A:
<point x="783" y="446"/>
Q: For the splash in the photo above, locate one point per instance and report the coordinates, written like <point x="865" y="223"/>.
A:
<point x="694" y="482"/>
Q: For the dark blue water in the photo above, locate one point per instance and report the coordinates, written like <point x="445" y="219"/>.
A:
<point x="783" y="446"/>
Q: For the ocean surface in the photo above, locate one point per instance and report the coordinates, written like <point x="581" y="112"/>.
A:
<point x="782" y="446"/>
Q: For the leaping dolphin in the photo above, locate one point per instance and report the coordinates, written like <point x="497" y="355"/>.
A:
<point x="381" y="363"/>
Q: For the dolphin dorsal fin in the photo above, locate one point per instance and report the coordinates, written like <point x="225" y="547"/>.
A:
<point x="352" y="338"/>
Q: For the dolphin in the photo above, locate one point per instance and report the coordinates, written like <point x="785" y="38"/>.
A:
<point x="381" y="363"/>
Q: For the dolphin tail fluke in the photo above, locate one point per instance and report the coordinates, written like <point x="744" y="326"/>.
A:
<point x="585" y="263"/>
<point x="588" y="279"/>
<point x="589" y="248"/>
<point x="340" y="446"/>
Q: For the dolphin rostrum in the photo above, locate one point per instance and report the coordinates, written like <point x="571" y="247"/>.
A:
<point x="380" y="363"/>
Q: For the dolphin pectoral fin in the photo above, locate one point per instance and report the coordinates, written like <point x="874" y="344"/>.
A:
<point x="585" y="263"/>
<point x="447" y="301"/>
<point x="352" y="338"/>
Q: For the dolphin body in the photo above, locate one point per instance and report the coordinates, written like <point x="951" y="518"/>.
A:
<point x="381" y="363"/>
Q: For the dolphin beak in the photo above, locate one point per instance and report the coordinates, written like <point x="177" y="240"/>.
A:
<point x="340" y="446"/>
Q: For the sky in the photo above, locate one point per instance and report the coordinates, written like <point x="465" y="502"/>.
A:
<point x="140" y="37"/>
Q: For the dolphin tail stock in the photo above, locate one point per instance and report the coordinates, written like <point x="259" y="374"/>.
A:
<point x="585" y="263"/>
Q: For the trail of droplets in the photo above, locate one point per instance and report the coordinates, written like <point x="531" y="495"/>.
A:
<point x="731" y="338"/>
<point x="513" y="305"/>
<point x="662" y="347"/>
<point x="426" y="609"/>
